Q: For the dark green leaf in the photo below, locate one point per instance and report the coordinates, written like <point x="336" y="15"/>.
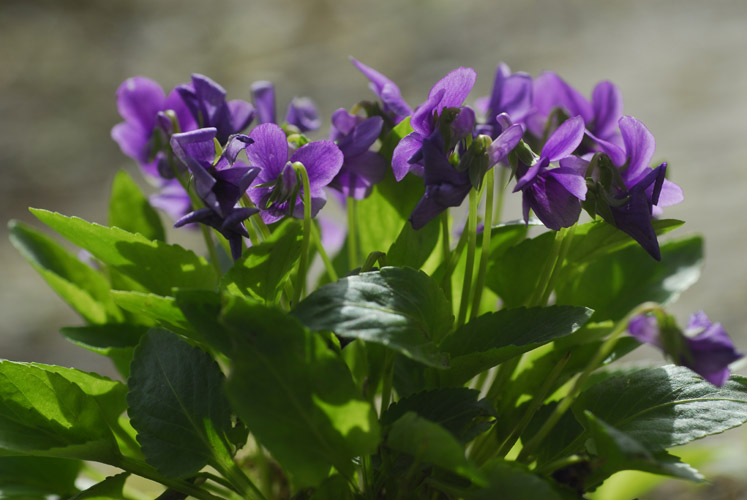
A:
<point x="400" y="308"/>
<point x="495" y="337"/>
<point x="160" y="310"/>
<point x="37" y="477"/>
<point x="456" y="409"/>
<point x="108" y="489"/>
<point x="202" y="308"/>
<point x="333" y="488"/>
<point x="664" y="407"/>
<point x="177" y="404"/>
<point x="511" y="480"/>
<point x="430" y="443"/>
<point x="263" y="268"/>
<point x="117" y="341"/>
<point x="615" y="451"/>
<point x="130" y="210"/>
<point x="413" y="247"/>
<point x="43" y="413"/>
<point x="83" y="288"/>
<point x="153" y="264"/>
<point x="295" y="394"/>
<point x="615" y="283"/>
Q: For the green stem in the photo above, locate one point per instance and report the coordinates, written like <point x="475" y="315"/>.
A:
<point x="536" y="298"/>
<point x="140" y="468"/>
<point x="243" y="485"/>
<point x="485" y="249"/>
<point x="323" y="253"/>
<point x="386" y="389"/>
<point x="352" y="211"/>
<point x="468" y="269"/>
<point x="501" y="187"/>
<point x="446" y="250"/>
<point x="567" y="238"/>
<point x="604" y="350"/>
<point x="303" y="261"/>
<point x="560" y="463"/>
<point x="253" y="237"/>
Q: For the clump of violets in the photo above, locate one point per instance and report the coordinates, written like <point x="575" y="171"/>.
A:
<point x="703" y="347"/>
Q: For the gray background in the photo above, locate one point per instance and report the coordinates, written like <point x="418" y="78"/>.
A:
<point x="680" y="64"/>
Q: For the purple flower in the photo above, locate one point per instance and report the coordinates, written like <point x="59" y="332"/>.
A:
<point x="277" y="190"/>
<point x="219" y="182"/>
<point x="302" y="112"/>
<point x="555" y="194"/>
<point x="393" y="105"/>
<point x="449" y="92"/>
<point x="140" y="100"/>
<point x="511" y="94"/>
<point x="361" y="168"/>
<point x="704" y="347"/>
<point x="206" y="101"/>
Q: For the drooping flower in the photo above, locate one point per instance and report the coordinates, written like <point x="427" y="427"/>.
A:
<point x="361" y="168"/>
<point x="277" y="190"/>
<point x="219" y="182"/>
<point x="511" y="94"/>
<point x="393" y="105"/>
<point x="449" y="92"/>
<point x="704" y="347"/>
<point x="207" y="103"/>
<point x="555" y="194"/>
<point x="302" y="112"/>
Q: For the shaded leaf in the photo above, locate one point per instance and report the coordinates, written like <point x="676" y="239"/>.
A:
<point x="37" y="477"/>
<point x="129" y="209"/>
<point x="108" y="489"/>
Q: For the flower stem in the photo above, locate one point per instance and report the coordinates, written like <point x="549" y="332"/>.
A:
<point x="323" y="253"/>
<point x="446" y="250"/>
<point x="604" y="350"/>
<point x="352" y="211"/>
<point x="386" y="388"/>
<point x="500" y="186"/>
<point x="304" y="259"/>
<point x="142" y="469"/>
<point x="468" y="269"/>
<point x="485" y="247"/>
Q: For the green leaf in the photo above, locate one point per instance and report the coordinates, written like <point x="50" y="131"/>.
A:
<point x="514" y="481"/>
<point x="130" y="210"/>
<point x="108" y="489"/>
<point x="456" y="409"/>
<point x="43" y="413"/>
<point x="37" y="477"/>
<point x="665" y="407"/>
<point x="400" y="308"/>
<point x="262" y="269"/>
<point x="153" y="264"/>
<point x="413" y="247"/>
<point x="295" y="394"/>
<point x="390" y="142"/>
<point x="202" y="308"/>
<point x="493" y="338"/>
<point x="162" y="311"/>
<point x="334" y="487"/>
<point x="428" y="442"/>
<point x="117" y="341"/>
<point x="597" y="238"/>
<point x="177" y="404"/>
<point x="83" y="288"/>
<point x="615" y="283"/>
<point x="615" y="451"/>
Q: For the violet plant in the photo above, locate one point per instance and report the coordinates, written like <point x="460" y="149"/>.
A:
<point x="414" y="366"/>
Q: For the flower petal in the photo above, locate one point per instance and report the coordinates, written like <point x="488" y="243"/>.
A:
<point x="450" y="91"/>
<point x="139" y="99"/>
<point x="241" y="115"/>
<point x="269" y="150"/>
<point x="639" y="146"/>
<point x="322" y="159"/>
<point x="361" y="137"/>
<point x="564" y="140"/>
<point x="505" y="143"/>
<point x="606" y="100"/>
<point x="132" y="140"/>
<point x="570" y="180"/>
<point x="406" y="148"/>
<point x="303" y="114"/>
<point x="263" y="93"/>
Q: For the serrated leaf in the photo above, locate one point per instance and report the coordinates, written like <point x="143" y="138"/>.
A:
<point x="665" y="407"/>
<point x="615" y="283"/>
<point x="117" y="341"/>
<point x="400" y="308"/>
<point x="453" y="408"/>
<point x="263" y="268"/>
<point x="413" y="247"/>
<point x="492" y="338"/>
<point x="615" y="451"/>
<point x="312" y="416"/>
<point x="43" y="413"/>
<point x="162" y="311"/>
<point x="153" y="264"/>
<point x="176" y="404"/>
<point x="129" y="209"/>
<point x="511" y="480"/>
<point x="83" y="288"/>
<point x="108" y="489"/>
<point x="202" y="309"/>
<point x="428" y="442"/>
<point x="37" y="477"/>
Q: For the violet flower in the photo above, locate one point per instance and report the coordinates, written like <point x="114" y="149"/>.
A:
<point x="220" y="183"/>
<point x="361" y="168"/>
<point x="449" y="92"/>
<point x="277" y="190"/>
<point x="206" y="101"/>
<point x="511" y="94"/>
<point x="302" y="112"/>
<point x="393" y="105"/>
<point x="704" y="347"/>
<point x="555" y="194"/>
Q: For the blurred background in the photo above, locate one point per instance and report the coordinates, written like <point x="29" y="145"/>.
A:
<point x="680" y="64"/>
